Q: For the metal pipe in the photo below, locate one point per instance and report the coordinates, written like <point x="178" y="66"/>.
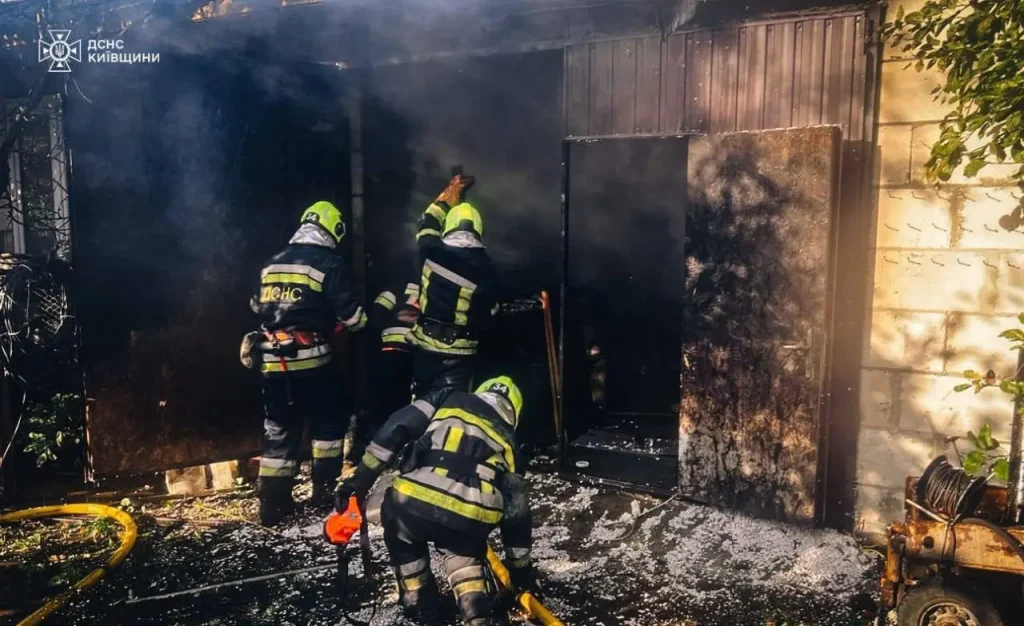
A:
<point x="1015" y="485"/>
<point x="934" y="516"/>
<point x="562" y="305"/>
<point x="554" y="375"/>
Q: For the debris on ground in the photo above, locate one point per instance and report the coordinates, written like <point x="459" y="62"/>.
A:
<point x="604" y="557"/>
<point x="41" y="558"/>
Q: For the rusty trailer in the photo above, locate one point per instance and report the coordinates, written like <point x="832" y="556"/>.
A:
<point x="965" y="571"/>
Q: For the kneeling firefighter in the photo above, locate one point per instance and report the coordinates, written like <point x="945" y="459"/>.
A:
<point x="456" y="291"/>
<point x="462" y="478"/>
<point x="305" y="294"/>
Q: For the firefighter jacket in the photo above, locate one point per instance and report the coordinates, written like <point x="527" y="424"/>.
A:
<point x="304" y="294"/>
<point x="463" y="472"/>
<point x="456" y="287"/>
<point x="394" y="317"/>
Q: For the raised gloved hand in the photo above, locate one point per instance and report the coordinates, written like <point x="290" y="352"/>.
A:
<point x="457" y="187"/>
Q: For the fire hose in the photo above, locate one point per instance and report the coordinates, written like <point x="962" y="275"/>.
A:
<point x="526" y="600"/>
<point x="128" y="536"/>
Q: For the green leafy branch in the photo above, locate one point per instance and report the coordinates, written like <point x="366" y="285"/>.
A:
<point x="52" y="427"/>
<point x="978" y="45"/>
<point x="987" y="454"/>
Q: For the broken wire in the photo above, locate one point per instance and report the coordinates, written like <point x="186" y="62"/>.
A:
<point x="37" y="327"/>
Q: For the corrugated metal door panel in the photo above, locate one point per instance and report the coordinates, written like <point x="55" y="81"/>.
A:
<point x="838" y="71"/>
<point x="673" y="85"/>
<point x="577" y="91"/>
<point x="753" y="45"/>
<point x="858" y="86"/>
<point x="724" y="68"/>
<point x="786" y="59"/>
<point x="624" y="86"/>
<point x="779" y="101"/>
<point x="810" y="57"/>
<point x="648" y="85"/>
<point x="697" y="107"/>
<point x="602" y="87"/>
<point x="789" y="73"/>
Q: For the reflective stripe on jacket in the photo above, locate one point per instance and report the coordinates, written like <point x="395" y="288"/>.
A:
<point x="387" y="316"/>
<point x="456" y="287"/>
<point x="477" y="489"/>
<point x="294" y="359"/>
<point x="308" y="288"/>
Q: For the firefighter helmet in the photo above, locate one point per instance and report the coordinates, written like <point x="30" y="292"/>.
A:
<point x="464" y="217"/>
<point x="326" y="216"/>
<point x="504" y="387"/>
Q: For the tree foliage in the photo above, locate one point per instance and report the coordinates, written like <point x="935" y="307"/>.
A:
<point x="979" y="45"/>
<point x="53" y="427"/>
<point x="987" y="454"/>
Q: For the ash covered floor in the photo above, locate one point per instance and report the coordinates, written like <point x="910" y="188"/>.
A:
<point x="681" y="564"/>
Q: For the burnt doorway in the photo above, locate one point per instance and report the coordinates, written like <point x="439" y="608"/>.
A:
<point x="760" y="256"/>
<point x="625" y="210"/>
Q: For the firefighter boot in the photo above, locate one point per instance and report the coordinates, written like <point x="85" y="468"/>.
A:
<point x="422" y="605"/>
<point x="326" y="473"/>
<point x="275" y="499"/>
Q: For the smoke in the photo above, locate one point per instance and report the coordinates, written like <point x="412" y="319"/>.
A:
<point x="499" y="118"/>
<point x="204" y="159"/>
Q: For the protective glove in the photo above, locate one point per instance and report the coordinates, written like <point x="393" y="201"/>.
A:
<point x="456" y="190"/>
<point x="249" y="352"/>
<point x="524" y="578"/>
<point x="357" y="483"/>
<point x="344" y="492"/>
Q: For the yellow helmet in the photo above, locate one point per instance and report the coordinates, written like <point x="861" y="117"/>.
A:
<point x="464" y="217"/>
<point x="504" y="387"/>
<point x="326" y="216"/>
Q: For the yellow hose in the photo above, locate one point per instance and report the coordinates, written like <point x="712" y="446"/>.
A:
<point x="128" y="537"/>
<point x="526" y="600"/>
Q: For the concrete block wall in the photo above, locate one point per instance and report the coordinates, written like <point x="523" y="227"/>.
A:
<point x="947" y="278"/>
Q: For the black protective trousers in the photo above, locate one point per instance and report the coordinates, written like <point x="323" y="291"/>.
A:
<point x="434" y="371"/>
<point x="289" y="401"/>
<point x="390" y="387"/>
<point x="465" y="562"/>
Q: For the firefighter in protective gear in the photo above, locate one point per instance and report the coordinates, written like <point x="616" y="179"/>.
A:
<point x="456" y="291"/>
<point x="304" y="295"/>
<point x="462" y="478"/>
<point x="393" y="316"/>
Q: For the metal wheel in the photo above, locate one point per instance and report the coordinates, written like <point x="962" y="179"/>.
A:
<point x="948" y="614"/>
<point x="948" y="603"/>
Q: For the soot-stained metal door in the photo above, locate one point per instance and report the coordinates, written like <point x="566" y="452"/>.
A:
<point x="626" y="209"/>
<point x="757" y="319"/>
